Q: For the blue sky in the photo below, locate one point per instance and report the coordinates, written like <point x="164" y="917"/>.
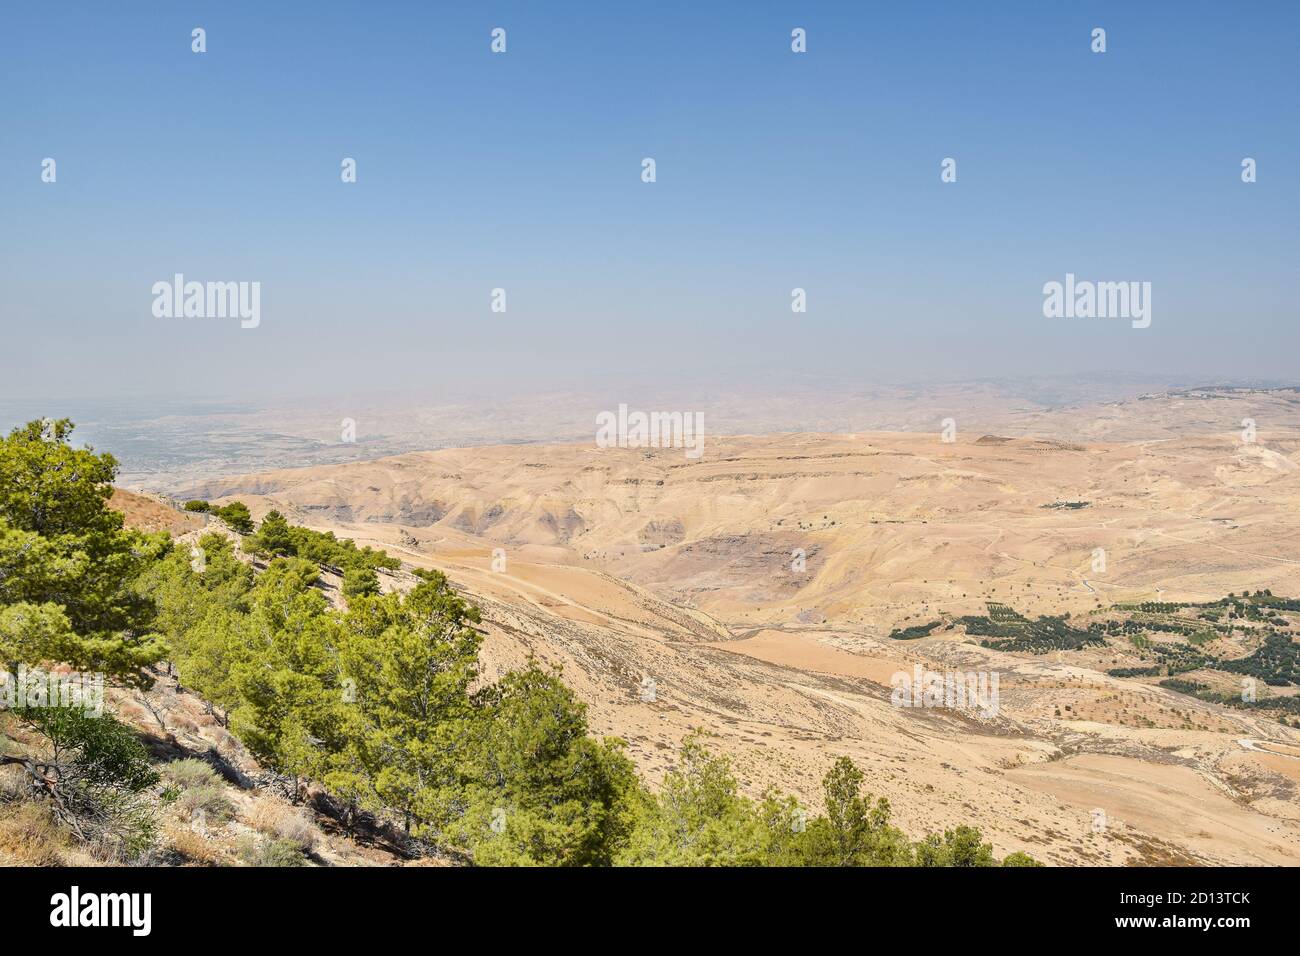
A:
<point x="522" y="171"/>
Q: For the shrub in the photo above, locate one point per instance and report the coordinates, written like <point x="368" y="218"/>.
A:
<point x="264" y="852"/>
<point x="94" y="777"/>
<point x="279" y="822"/>
<point x="186" y="774"/>
<point x="961" y="847"/>
<point x="206" y="802"/>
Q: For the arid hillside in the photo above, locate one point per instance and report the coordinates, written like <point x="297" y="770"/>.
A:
<point x="153" y="513"/>
<point x="754" y="593"/>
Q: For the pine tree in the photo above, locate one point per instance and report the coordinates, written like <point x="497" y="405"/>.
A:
<point x="273" y="536"/>
<point x="558" y="796"/>
<point x="407" y="664"/>
<point x="68" y="569"/>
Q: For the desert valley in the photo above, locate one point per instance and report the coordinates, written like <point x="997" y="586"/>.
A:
<point x="770" y="592"/>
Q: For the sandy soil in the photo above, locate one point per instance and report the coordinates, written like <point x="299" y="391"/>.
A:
<point x="623" y="565"/>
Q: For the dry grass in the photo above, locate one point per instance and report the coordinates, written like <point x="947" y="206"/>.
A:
<point x="192" y="848"/>
<point x="29" y="836"/>
<point x="146" y="514"/>
<point x="284" y="823"/>
<point x="202" y="796"/>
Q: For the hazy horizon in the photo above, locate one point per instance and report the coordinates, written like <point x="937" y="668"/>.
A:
<point x="522" y="171"/>
<point x="169" y="443"/>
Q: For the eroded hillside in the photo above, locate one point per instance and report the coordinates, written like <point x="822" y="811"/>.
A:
<point x="755" y="591"/>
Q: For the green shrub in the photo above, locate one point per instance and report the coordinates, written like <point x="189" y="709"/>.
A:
<point x="186" y="774"/>
<point x="265" y="852"/>
<point x="206" y="802"/>
<point x="99" y="789"/>
<point x="360" y="582"/>
<point x="237" y="515"/>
